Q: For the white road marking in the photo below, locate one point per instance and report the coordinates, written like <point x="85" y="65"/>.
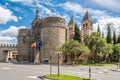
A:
<point x="32" y="77"/>
<point x="5" y="68"/>
<point x="100" y="72"/>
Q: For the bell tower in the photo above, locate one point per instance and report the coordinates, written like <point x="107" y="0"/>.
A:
<point x="87" y="25"/>
<point x="71" y="29"/>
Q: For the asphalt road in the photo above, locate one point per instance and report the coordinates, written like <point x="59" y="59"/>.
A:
<point x="9" y="71"/>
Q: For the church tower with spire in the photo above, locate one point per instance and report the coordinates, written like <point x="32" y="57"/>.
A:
<point x="87" y="25"/>
<point x="71" y="29"/>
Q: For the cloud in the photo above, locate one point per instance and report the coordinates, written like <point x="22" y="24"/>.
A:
<point x="75" y="7"/>
<point x="9" y="36"/>
<point x="25" y="2"/>
<point x="80" y="10"/>
<point x="11" y="31"/>
<point x="20" y="18"/>
<point x="113" y="5"/>
<point x="103" y="23"/>
<point x="6" y="15"/>
<point x="7" y="40"/>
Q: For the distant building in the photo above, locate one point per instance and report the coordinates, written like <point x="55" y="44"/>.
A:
<point x="8" y="52"/>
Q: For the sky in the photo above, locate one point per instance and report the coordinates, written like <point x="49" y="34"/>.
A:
<point x="16" y="14"/>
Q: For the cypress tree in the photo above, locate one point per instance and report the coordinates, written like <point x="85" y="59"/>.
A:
<point x="118" y="40"/>
<point x="109" y="37"/>
<point x="98" y="30"/>
<point x="114" y="38"/>
<point x="77" y="33"/>
<point x="102" y="35"/>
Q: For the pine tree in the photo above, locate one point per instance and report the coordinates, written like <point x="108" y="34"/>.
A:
<point x="114" y="38"/>
<point x="109" y="37"/>
<point x="77" y="33"/>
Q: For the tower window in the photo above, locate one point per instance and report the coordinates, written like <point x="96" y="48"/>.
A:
<point x="86" y="24"/>
<point x="83" y="25"/>
<point x="69" y="28"/>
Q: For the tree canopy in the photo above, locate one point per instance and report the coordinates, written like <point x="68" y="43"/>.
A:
<point x="73" y="46"/>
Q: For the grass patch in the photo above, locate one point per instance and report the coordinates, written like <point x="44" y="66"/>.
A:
<point x="100" y="64"/>
<point x="65" y="77"/>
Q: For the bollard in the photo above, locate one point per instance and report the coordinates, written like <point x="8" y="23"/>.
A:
<point x="89" y="72"/>
<point x="117" y="66"/>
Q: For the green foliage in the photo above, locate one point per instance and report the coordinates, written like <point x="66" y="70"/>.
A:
<point x="118" y="41"/>
<point x="108" y="49"/>
<point x="95" y="43"/>
<point x="98" y="30"/>
<point x="109" y="37"/>
<point x="65" y="77"/>
<point x="114" y="38"/>
<point x="72" y="46"/>
<point x="117" y="49"/>
<point x="102" y="35"/>
<point x="77" y="33"/>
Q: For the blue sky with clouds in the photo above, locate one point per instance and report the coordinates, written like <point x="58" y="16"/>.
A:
<point x="15" y="14"/>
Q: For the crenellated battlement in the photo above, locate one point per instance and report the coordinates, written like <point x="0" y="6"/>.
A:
<point x="8" y="45"/>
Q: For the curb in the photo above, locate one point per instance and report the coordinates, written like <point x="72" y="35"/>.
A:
<point x="117" y="70"/>
<point x="43" y="77"/>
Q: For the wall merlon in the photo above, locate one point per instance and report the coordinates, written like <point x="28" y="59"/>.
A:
<point x="8" y="45"/>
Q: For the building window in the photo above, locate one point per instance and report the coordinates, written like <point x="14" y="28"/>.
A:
<point x="86" y="24"/>
<point x="83" y="25"/>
